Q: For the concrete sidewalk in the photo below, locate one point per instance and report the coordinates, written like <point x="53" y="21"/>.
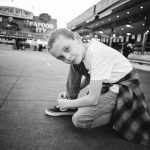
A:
<point x="30" y="82"/>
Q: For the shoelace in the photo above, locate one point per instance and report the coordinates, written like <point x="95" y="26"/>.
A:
<point x="57" y="106"/>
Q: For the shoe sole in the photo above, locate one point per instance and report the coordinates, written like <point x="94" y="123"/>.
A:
<point x="58" y="113"/>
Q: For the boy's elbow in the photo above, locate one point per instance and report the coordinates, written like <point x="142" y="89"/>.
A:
<point x="94" y="100"/>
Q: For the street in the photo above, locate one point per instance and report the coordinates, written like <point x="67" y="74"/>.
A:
<point x="30" y="82"/>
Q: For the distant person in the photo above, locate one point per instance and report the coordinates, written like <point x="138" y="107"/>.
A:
<point x="127" y="48"/>
<point x="114" y="94"/>
<point x="39" y="42"/>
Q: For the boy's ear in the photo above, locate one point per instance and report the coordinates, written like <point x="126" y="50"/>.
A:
<point x="78" y="38"/>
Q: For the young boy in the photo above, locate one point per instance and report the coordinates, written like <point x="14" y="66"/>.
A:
<point x="114" y="89"/>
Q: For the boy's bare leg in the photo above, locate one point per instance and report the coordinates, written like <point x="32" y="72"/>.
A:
<point x="73" y="82"/>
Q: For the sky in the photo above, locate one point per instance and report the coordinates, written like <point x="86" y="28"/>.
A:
<point x="62" y="10"/>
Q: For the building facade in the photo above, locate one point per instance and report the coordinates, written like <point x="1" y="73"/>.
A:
<point x="20" y="24"/>
<point x="114" y="22"/>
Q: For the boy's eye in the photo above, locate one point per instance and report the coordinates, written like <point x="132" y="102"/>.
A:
<point x="66" y="49"/>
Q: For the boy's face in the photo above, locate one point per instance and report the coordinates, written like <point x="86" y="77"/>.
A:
<point x="68" y="50"/>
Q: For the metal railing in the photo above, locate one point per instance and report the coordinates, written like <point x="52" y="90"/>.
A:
<point x="138" y="61"/>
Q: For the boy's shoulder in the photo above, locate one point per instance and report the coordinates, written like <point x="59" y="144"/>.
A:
<point x="99" y="49"/>
<point x="95" y="44"/>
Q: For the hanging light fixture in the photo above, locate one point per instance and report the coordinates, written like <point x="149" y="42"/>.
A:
<point x="101" y="32"/>
<point x="128" y="33"/>
<point x="128" y="25"/>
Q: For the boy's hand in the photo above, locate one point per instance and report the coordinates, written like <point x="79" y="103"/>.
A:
<point x="62" y="95"/>
<point x="62" y="103"/>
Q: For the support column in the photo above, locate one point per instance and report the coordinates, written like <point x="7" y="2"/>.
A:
<point x="111" y="37"/>
<point x="147" y="25"/>
<point x="144" y="42"/>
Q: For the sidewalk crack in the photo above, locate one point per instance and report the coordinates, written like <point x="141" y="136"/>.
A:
<point x="3" y="101"/>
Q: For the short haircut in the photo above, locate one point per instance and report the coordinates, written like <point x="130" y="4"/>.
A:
<point x="55" y="34"/>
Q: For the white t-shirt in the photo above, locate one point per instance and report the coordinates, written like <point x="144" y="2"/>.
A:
<point x="106" y="64"/>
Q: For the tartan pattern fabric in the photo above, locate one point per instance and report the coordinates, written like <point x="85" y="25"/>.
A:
<point x="131" y="116"/>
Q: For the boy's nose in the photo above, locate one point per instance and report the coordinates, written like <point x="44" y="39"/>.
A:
<point x="67" y="57"/>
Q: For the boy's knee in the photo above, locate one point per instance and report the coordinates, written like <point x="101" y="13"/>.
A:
<point x="80" y="122"/>
<point x="75" y="120"/>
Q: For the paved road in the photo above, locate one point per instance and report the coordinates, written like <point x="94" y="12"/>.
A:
<point x="30" y="82"/>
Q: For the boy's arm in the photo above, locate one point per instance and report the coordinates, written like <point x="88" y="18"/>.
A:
<point x="89" y="100"/>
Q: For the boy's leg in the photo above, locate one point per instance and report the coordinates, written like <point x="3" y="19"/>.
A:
<point x="72" y="89"/>
<point x="102" y="120"/>
<point x="73" y="82"/>
<point x="90" y="117"/>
